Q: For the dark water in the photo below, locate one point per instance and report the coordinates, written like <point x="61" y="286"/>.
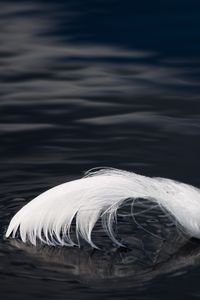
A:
<point x="98" y="83"/>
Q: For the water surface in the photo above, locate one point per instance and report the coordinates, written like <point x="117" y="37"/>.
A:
<point x="90" y="84"/>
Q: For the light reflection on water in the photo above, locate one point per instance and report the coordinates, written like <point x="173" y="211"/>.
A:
<point x="70" y="103"/>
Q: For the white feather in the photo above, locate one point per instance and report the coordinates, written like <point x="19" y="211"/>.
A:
<point x="99" y="194"/>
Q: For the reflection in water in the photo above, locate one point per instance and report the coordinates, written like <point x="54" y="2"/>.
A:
<point x="97" y="267"/>
<point x="153" y="247"/>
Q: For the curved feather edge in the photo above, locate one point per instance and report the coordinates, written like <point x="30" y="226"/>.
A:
<point x="48" y="217"/>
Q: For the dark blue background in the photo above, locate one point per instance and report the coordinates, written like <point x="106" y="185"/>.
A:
<point x="97" y="83"/>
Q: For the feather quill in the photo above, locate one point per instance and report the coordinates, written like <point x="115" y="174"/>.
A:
<point x="48" y="218"/>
